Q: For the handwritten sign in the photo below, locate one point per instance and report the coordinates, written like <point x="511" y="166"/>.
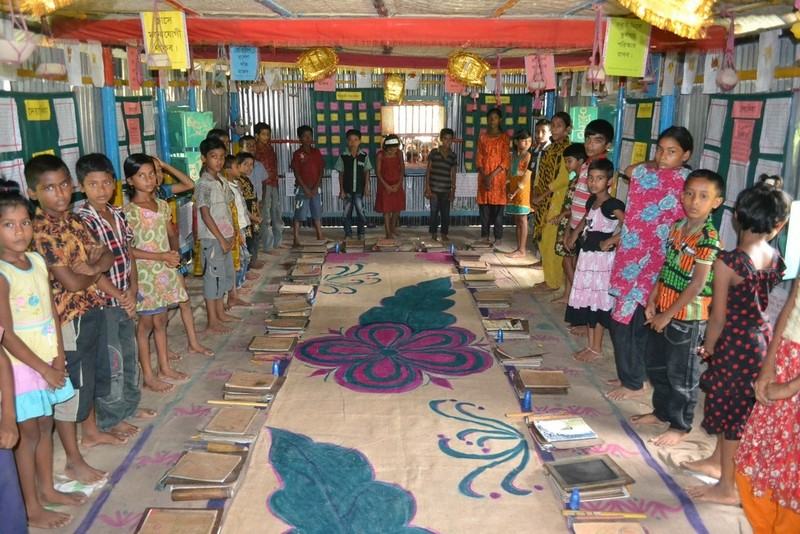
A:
<point x="627" y="41"/>
<point x="172" y="33"/>
<point x="244" y="63"/>
<point x="581" y="116"/>
<point x="742" y="140"/>
<point x="645" y="110"/>
<point x="131" y="108"/>
<point x="742" y="109"/>
<point x="352" y="96"/>
<point x="37" y="110"/>
<point x="492" y="99"/>
<point x="327" y="85"/>
<point x="639" y="153"/>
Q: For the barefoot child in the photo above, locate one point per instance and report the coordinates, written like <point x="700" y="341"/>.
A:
<point x="739" y="332"/>
<point x="75" y="262"/>
<point x="37" y="357"/>
<point x="519" y="189"/>
<point x="215" y="229"/>
<point x="353" y="166"/>
<point x="12" y="508"/>
<point x="589" y="301"/>
<point x="244" y="168"/>
<point x="156" y="268"/>
<point x="574" y="157"/>
<point x="110" y="227"/>
<point x="391" y="196"/>
<point x="272" y="222"/>
<point x="677" y="309"/>
<point x="492" y="161"/>
<point x="440" y="183"/>
<point x="241" y="224"/>
<point x="308" y="166"/>
<point x="767" y="459"/>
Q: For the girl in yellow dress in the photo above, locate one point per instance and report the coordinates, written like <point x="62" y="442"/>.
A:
<point x="519" y="189"/>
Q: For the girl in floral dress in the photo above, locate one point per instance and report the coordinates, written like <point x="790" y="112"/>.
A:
<point x="157" y="266"/>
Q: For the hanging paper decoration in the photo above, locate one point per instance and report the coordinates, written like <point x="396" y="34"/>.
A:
<point x="16" y="43"/>
<point x="596" y="75"/>
<point x="41" y="8"/>
<point x="453" y="86"/>
<point x="498" y="81"/>
<point x="394" y="88"/>
<point x="412" y="81"/>
<point x="687" y="18"/>
<point x="627" y="44"/>
<point x="326" y="85"/>
<point x="317" y="63"/>
<point x="134" y="68"/>
<point x="244" y="63"/>
<point x="273" y="79"/>
<point x="467" y="68"/>
<point x="727" y="77"/>
<point x="165" y="34"/>
<point x="540" y="72"/>
<point x="220" y="72"/>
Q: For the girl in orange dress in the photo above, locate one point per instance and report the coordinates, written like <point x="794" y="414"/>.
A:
<point x="493" y="162"/>
<point x="519" y="189"/>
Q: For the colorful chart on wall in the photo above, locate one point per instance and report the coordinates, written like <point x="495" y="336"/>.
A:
<point x="517" y="113"/>
<point x="338" y="111"/>
<point x="641" y="121"/>
<point x="37" y="123"/>
<point x="136" y="130"/>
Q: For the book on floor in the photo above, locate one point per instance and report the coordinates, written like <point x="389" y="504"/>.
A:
<point x="252" y="382"/>
<point x="199" y="493"/>
<point x="481" y="245"/>
<point x="270" y="343"/>
<point x="468" y="255"/>
<point x="429" y="245"/>
<point x="518" y="353"/>
<point x="588" y="473"/>
<point x="353" y="245"/>
<point x="610" y="493"/>
<point x="279" y="325"/>
<point x="474" y="266"/>
<point x="200" y="466"/>
<point x="478" y="277"/>
<point x="598" y="526"/>
<point x="481" y="284"/>
<point x="310" y="259"/>
<point x="387" y="245"/>
<point x="231" y="420"/>
<point x="296" y="289"/>
<point x="179" y="521"/>
<point x="492" y="298"/>
<point x="306" y="270"/>
<point x="563" y="432"/>
<point x="541" y="381"/>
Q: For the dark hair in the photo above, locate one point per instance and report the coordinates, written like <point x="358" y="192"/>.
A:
<point x="246" y="137"/>
<point x="217" y="133"/>
<point x="241" y="157"/>
<point x="446" y="131"/>
<point x="679" y="134"/>
<point x="303" y="129"/>
<point x="773" y="180"/>
<point x="541" y="122"/>
<point x="38" y="165"/>
<point x="210" y="143"/>
<point x="261" y="126"/>
<point x="575" y="150"/>
<point x="134" y="162"/>
<point x="521" y="134"/>
<point x="93" y="163"/>
<point x="604" y="165"/>
<point x="495" y="111"/>
<point x="600" y="127"/>
<point x="564" y="117"/>
<point x="230" y="159"/>
<point x="710" y="176"/>
<point x="352" y="131"/>
<point x="11" y="196"/>
<point x="388" y="137"/>
<point x="762" y="208"/>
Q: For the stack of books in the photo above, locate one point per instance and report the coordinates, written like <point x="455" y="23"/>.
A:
<point x="492" y="298"/>
<point x="596" y="477"/>
<point x="291" y="306"/>
<point x="353" y="245"/>
<point x="430" y="245"/>
<point x="294" y="326"/>
<point x="272" y="343"/>
<point x="518" y="354"/>
<point x="316" y="246"/>
<point x="198" y="474"/>
<point x="483" y="246"/>
<point x="387" y="245"/>
<point x="306" y="290"/>
<point x="251" y="386"/>
<point x="232" y="424"/>
<point x="512" y="327"/>
<point x="306" y="272"/>
<point x="540" y="382"/>
<point x="159" y="520"/>
<point x="468" y="255"/>
<point x="472" y="266"/>
<point x="562" y="432"/>
<point x="479" y="280"/>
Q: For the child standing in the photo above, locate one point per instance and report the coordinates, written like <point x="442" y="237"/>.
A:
<point x="653" y="204"/>
<point x="215" y="229"/>
<point x="12" y="508"/>
<point x="739" y="332"/>
<point x="391" y="197"/>
<point x="272" y="222"/>
<point x="308" y="167"/>
<point x="257" y="175"/>
<point x="241" y="225"/>
<point x="519" y="189"/>
<point x="156" y="268"/>
<point x="767" y="459"/>
<point x="109" y="226"/>
<point x="677" y="309"/>
<point x="440" y="183"/>
<point x="574" y="157"/>
<point x="493" y="162"/>
<point x="589" y="301"/>
<point x="353" y="167"/>
<point x="244" y="165"/>
<point x="37" y="357"/>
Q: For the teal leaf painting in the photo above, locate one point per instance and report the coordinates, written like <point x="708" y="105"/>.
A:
<point x="328" y="489"/>
<point x="420" y="307"/>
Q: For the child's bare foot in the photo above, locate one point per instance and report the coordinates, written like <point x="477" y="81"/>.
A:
<point x="218" y="328"/>
<point x="587" y="355"/>
<point x="233" y="301"/>
<point x="257" y="264"/>
<point x="201" y="350"/>
<point x="614" y="382"/>
<point x="42" y="518"/>
<point x="102" y="438"/>
<point x="715" y="494"/>
<point x="516" y="254"/>
<point x="251" y="275"/>
<point x="228" y="318"/>
<point x="174" y="356"/>
<point x="84" y="473"/>
<point x="145" y="413"/>
<point x="173" y="375"/>
<point x="707" y="466"/>
<point x="563" y="299"/>
<point x="646" y="419"/>
<point x="53" y="496"/>
<point x="669" y="438"/>
<point x="155" y="384"/>
<point x="578" y="331"/>
<point x="623" y="393"/>
<point x="124" y="429"/>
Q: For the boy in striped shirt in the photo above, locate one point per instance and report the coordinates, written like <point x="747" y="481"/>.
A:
<point x="678" y="309"/>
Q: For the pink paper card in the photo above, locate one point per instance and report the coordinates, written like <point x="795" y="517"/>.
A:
<point x="131" y="108"/>
<point x="509" y="110"/>
<point x="320" y="106"/>
<point x="134" y="132"/>
<point x="336" y="151"/>
<point x="320" y="127"/>
<point x="377" y="129"/>
<point x="335" y="128"/>
<point x="376" y="106"/>
<point x="523" y="110"/>
<point x="350" y="127"/>
<point x="468" y="155"/>
<point x="471" y="108"/>
<point x="453" y="86"/>
<point x="743" y="109"/>
<point x="510" y="132"/>
<point x="334" y="106"/>
<point x="348" y="106"/>
<point x="326" y="85"/>
<point x="742" y="139"/>
<point x="362" y="106"/>
<point x="484" y="108"/>
<point x="471" y="130"/>
<point x="541" y="68"/>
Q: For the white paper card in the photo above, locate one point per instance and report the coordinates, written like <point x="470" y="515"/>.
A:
<point x="289" y="181"/>
<point x="768" y="51"/>
<point x="712" y="65"/>
<point x="655" y="128"/>
<point x="727" y="233"/>
<point x="70" y="157"/>
<point x="625" y="154"/>
<point x="121" y="134"/>
<point x="669" y="71"/>
<point x="466" y="184"/>
<point x="364" y="79"/>
<point x="335" y="184"/>
<point x="629" y="121"/>
<point x="709" y="160"/>
<point x="689" y="72"/>
<point x="148" y="118"/>
<point x="774" y="124"/>
<point x="150" y="148"/>
<point x="792" y="256"/>
<point x="67" y="123"/>
<point x="717" y="112"/>
<point x="185" y="224"/>
<point x="768" y="167"/>
<point x="10" y="138"/>
<point x="736" y="182"/>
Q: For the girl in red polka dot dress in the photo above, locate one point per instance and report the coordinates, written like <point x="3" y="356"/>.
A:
<point x="738" y="333"/>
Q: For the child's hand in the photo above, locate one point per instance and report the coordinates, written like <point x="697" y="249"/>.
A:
<point x="761" y="387"/>
<point x="55" y="378"/>
<point x="659" y="322"/>
<point x="776" y="391"/>
<point x="607" y="244"/>
<point x="226" y="245"/>
<point x="428" y="193"/>
<point x="650" y="310"/>
<point x="83" y="268"/>
<point x="171" y="258"/>
<point x="9" y="434"/>
<point x="128" y="304"/>
<point x="342" y="195"/>
<point x="95" y="253"/>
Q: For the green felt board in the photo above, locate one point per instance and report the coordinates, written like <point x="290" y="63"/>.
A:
<point x="331" y="120"/>
<point x="642" y="130"/>
<point x="132" y="110"/>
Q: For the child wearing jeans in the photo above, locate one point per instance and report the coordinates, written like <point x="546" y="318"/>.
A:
<point x="440" y="183"/>
<point x="353" y="167"/>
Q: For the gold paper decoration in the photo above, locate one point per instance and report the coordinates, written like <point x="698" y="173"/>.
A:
<point x="40" y="8"/>
<point x="317" y="63"/>
<point x="686" y="18"/>
<point x="394" y="88"/>
<point x="467" y="68"/>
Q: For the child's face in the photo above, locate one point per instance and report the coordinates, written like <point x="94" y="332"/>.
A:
<point x="493" y="120"/>
<point x="214" y="160"/>
<point x="353" y="142"/>
<point x="16" y="230"/>
<point x="670" y="155"/>
<point x="391" y="150"/>
<point x="523" y="144"/>
<point x="246" y="167"/>
<point x="542" y="134"/>
<point x="699" y="198"/>
<point x="145" y="179"/>
<point x="446" y="141"/>
<point x="98" y="186"/>
<point x="307" y="138"/>
<point x="595" y="145"/>
<point x="53" y="191"/>
<point x="264" y="136"/>
<point x="249" y="146"/>
<point x="597" y="181"/>
<point x="559" y="130"/>
<point x="573" y="164"/>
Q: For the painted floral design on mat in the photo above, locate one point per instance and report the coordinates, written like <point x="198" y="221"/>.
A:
<point x="656" y="509"/>
<point x="159" y="458"/>
<point x="329" y="488"/>
<point x="195" y="410"/>
<point x="346" y="279"/>
<point x="121" y="519"/>
<point x="435" y="257"/>
<point x="399" y="344"/>
<point x="613" y="449"/>
<point x="572" y="409"/>
<point x="345" y="257"/>
<point x="220" y="373"/>
<point x="497" y="444"/>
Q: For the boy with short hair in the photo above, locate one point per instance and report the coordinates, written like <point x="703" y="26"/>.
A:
<point x="678" y="308"/>
<point x="440" y="183"/>
<point x="216" y="233"/>
<point x="76" y="263"/>
<point x="308" y="166"/>
<point x="257" y="175"/>
<point x="220" y="135"/>
<point x="353" y="167"/>
<point x="241" y="227"/>
<point x="110" y="227"/>
<point x="272" y="213"/>
<point x="244" y="170"/>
